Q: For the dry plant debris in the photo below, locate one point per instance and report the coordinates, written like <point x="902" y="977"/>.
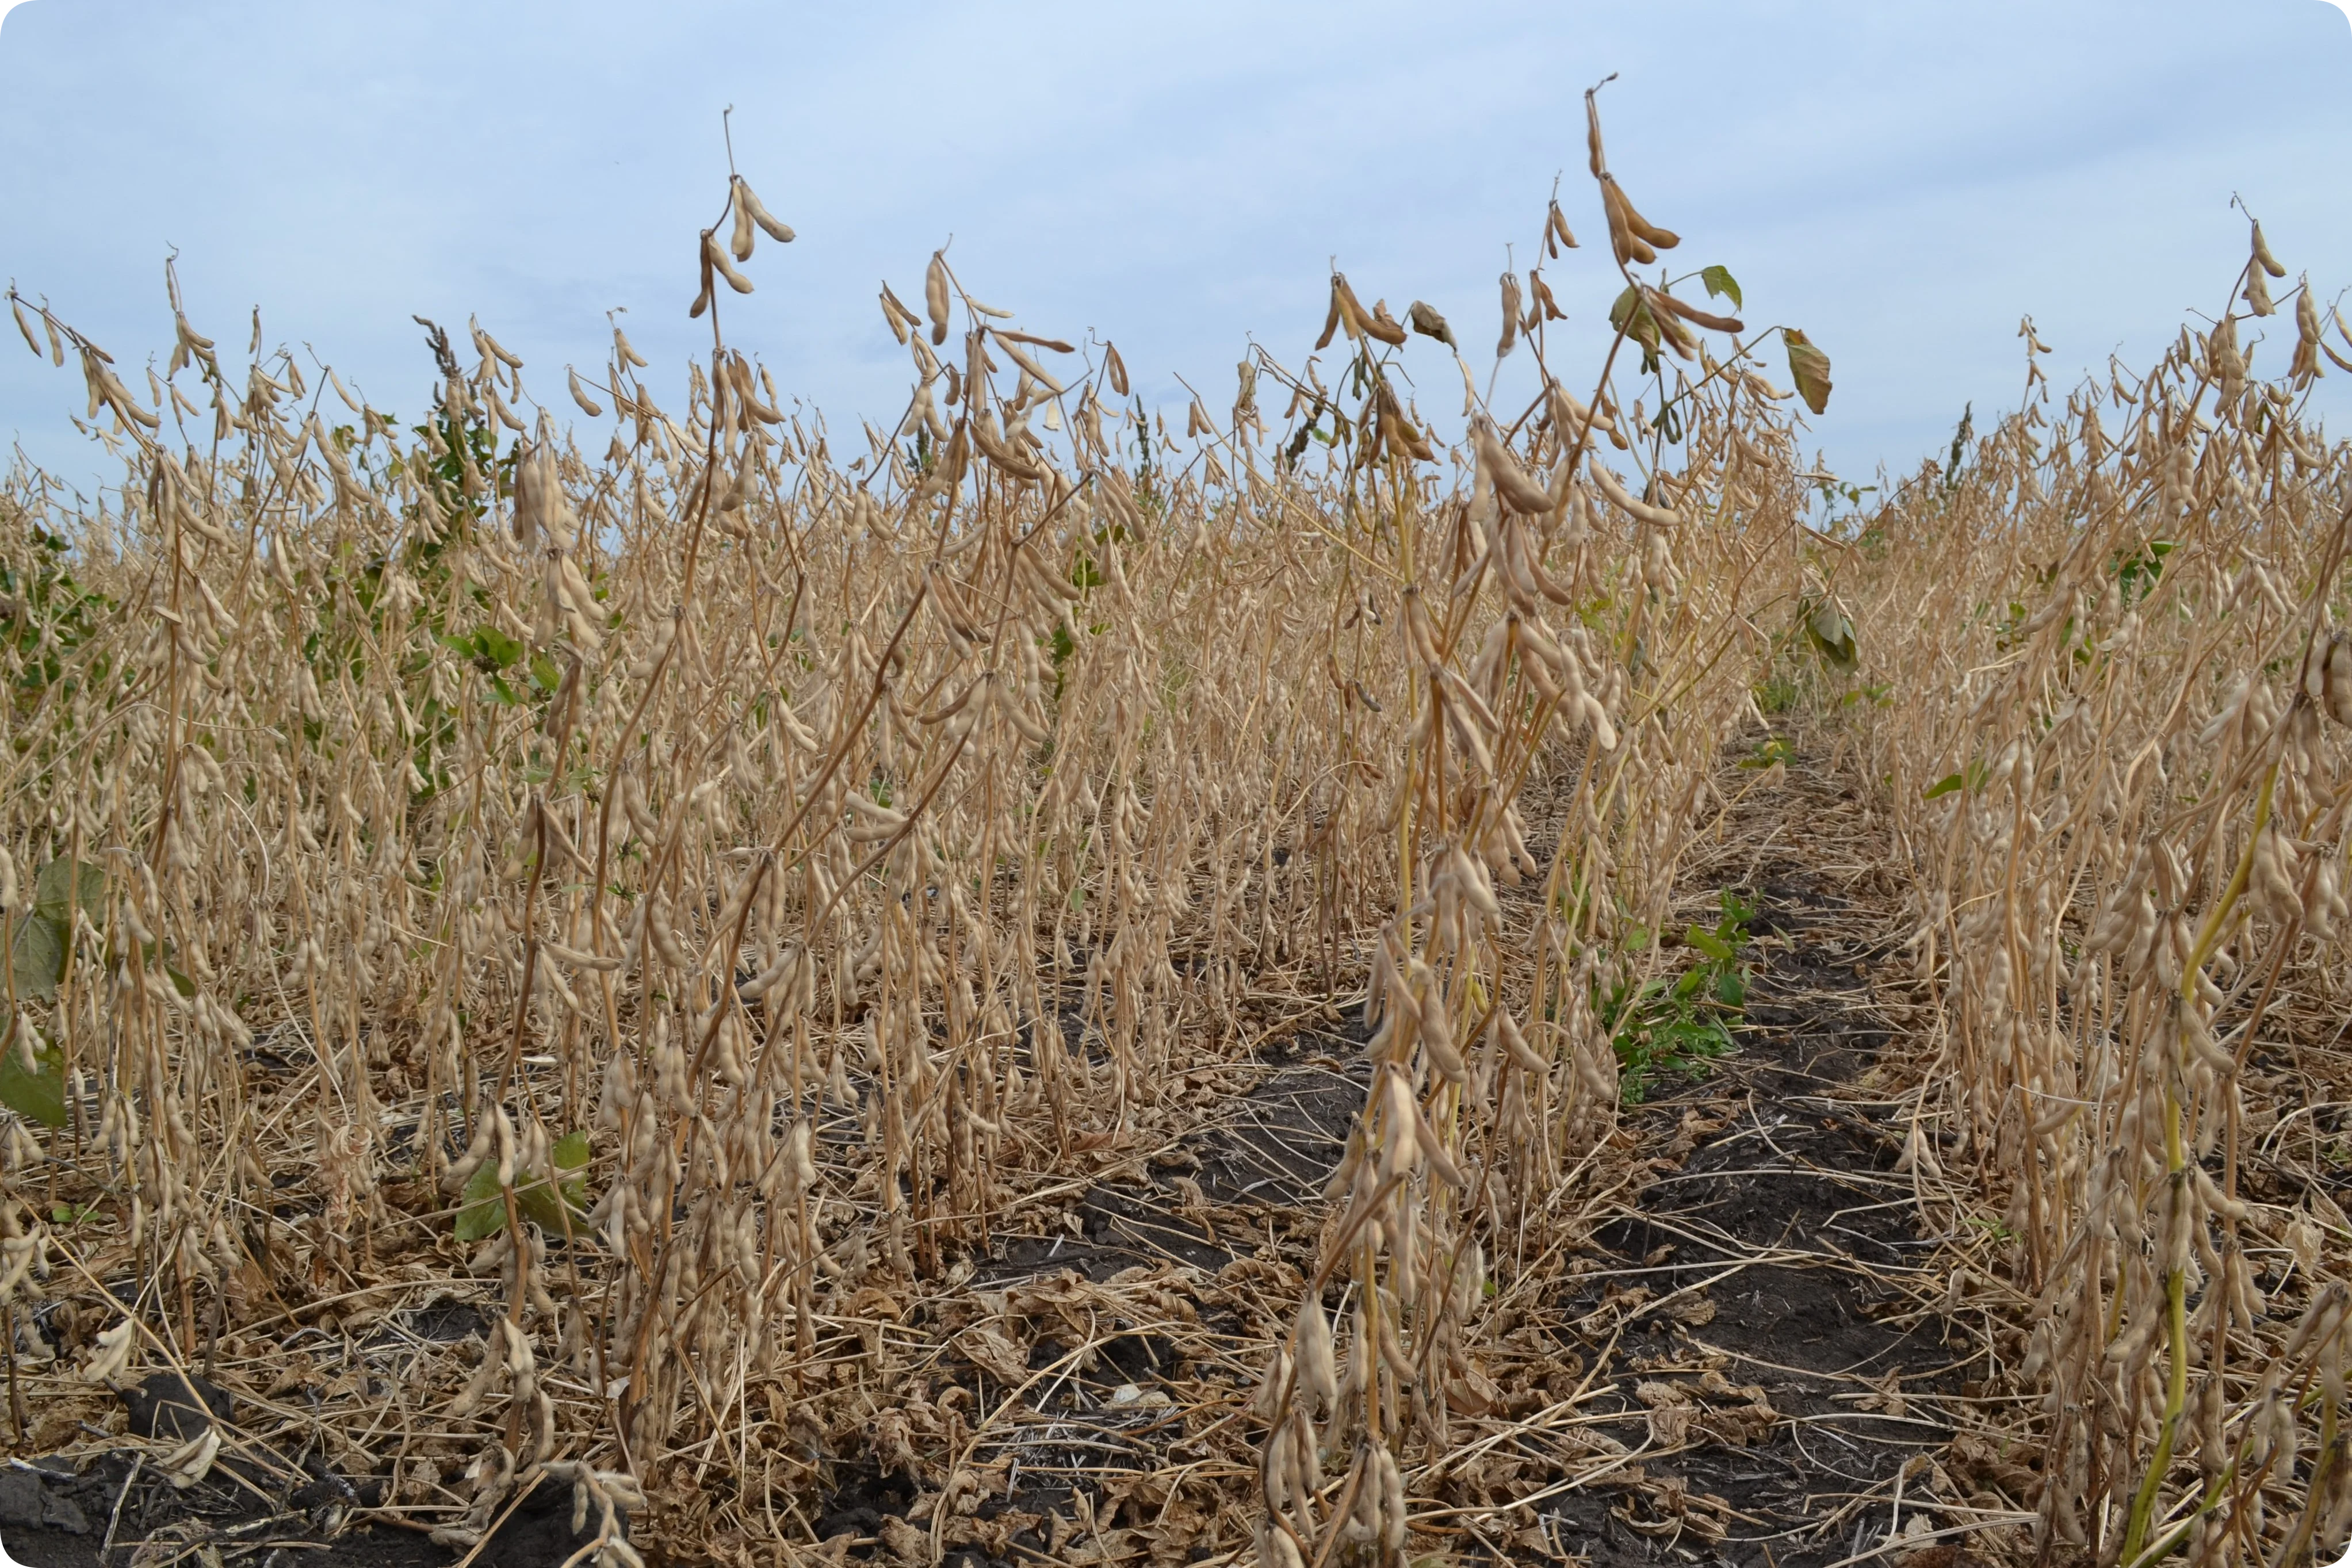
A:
<point x="1054" y="991"/>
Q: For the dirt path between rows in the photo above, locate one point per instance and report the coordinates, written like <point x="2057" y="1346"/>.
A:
<point x="1766" y="1301"/>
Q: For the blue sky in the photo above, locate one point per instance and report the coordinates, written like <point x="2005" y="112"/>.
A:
<point x="1904" y="180"/>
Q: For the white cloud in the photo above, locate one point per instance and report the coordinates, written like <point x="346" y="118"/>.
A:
<point x="1177" y="179"/>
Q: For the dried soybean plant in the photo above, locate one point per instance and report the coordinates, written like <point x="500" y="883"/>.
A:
<point x="1550" y="620"/>
<point x="706" y="890"/>
<point x="2123" y="776"/>
<point x="690" y="861"/>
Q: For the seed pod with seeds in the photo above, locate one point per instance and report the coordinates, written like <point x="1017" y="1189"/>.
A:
<point x="1010" y="342"/>
<point x="2258" y="294"/>
<point x="740" y="241"/>
<point x="1318" y="1364"/>
<point x="1364" y="1525"/>
<point x="1275" y="1549"/>
<point x="1446" y="1058"/>
<point x="702" y="299"/>
<point x="900" y="319"/>
<point x="801" y="1152"/>
<point x="1662" y="302"/>
<point x="1352" y="314"/>
<point x="1266" y="1405"/>
<point x="717" y="259"/>
<point x="25" y="325"/>
<point x="487" y="346"/>
<point x="935" y="296"/>
<point x="774" y="228"/>
<point x="1421" y="639"/>
<point x="1625" y="241"/>
<point x="580" y="396"/>
<point x="625" y="349"/>
<point x="2263" y="256"/>
<point x="110" y="1353"/>
<point x="1115" y="368"/>
<point x="1393" y="1501"/>
<point x="1432" y="1150"/>
<point x="1559" y="228"/>
<point x="1543" y="300"/>
<point x="1664" y="238"/>
<point x="1401" y="1139"/>
<point x="2308" y="341"/>
<point x="2335" y="679"/>
<point x="1537" y="671"/>
<point x="1333" y="319"/>
<point x="1512" y="485"/>
<point x="1641" y="511"/>
<point x="1510" y="316"/>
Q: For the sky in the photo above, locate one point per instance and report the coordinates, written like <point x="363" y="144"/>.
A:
<point x="1903" y="181"/>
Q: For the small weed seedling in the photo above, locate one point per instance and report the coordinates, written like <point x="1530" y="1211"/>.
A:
<point x="1677" y="1025"/>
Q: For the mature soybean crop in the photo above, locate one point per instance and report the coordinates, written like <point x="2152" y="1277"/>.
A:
<point x="700" y="902"/>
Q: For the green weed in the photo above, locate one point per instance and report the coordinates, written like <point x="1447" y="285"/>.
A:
<point x="1678" y="1025"/>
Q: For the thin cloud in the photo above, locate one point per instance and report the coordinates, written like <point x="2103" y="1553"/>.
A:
<point x="1176" y="182"/>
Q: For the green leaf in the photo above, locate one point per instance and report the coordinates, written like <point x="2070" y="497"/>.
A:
<point x="544" y="1203"/>
<point x="58" y="888"/>
<point x="39" y="1093"/>
<point x="570" y="1158"/>
<point x="484" y="1212"/>
<point x="158" y="955"/>
<point x="1731" y="989"/>
<point x="498" y="647"/>
<point x="1630" y="315"/>
<point x="1708" y="942"/>
<point x="1970" y="778"/>
<point x="37" y="958"/>
<point x="1810" y="367"/>
<point x="2139" y="573"/>
<point x="1719" y="282"/>
<point x="1830" y="633"/>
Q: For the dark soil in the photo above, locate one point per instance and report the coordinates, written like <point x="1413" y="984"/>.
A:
<point x="1776" y="1208"/>
<point x="117" y="1513"/>
<point x="1241" y="1187"/>
<point x="1260" y="1160"/>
